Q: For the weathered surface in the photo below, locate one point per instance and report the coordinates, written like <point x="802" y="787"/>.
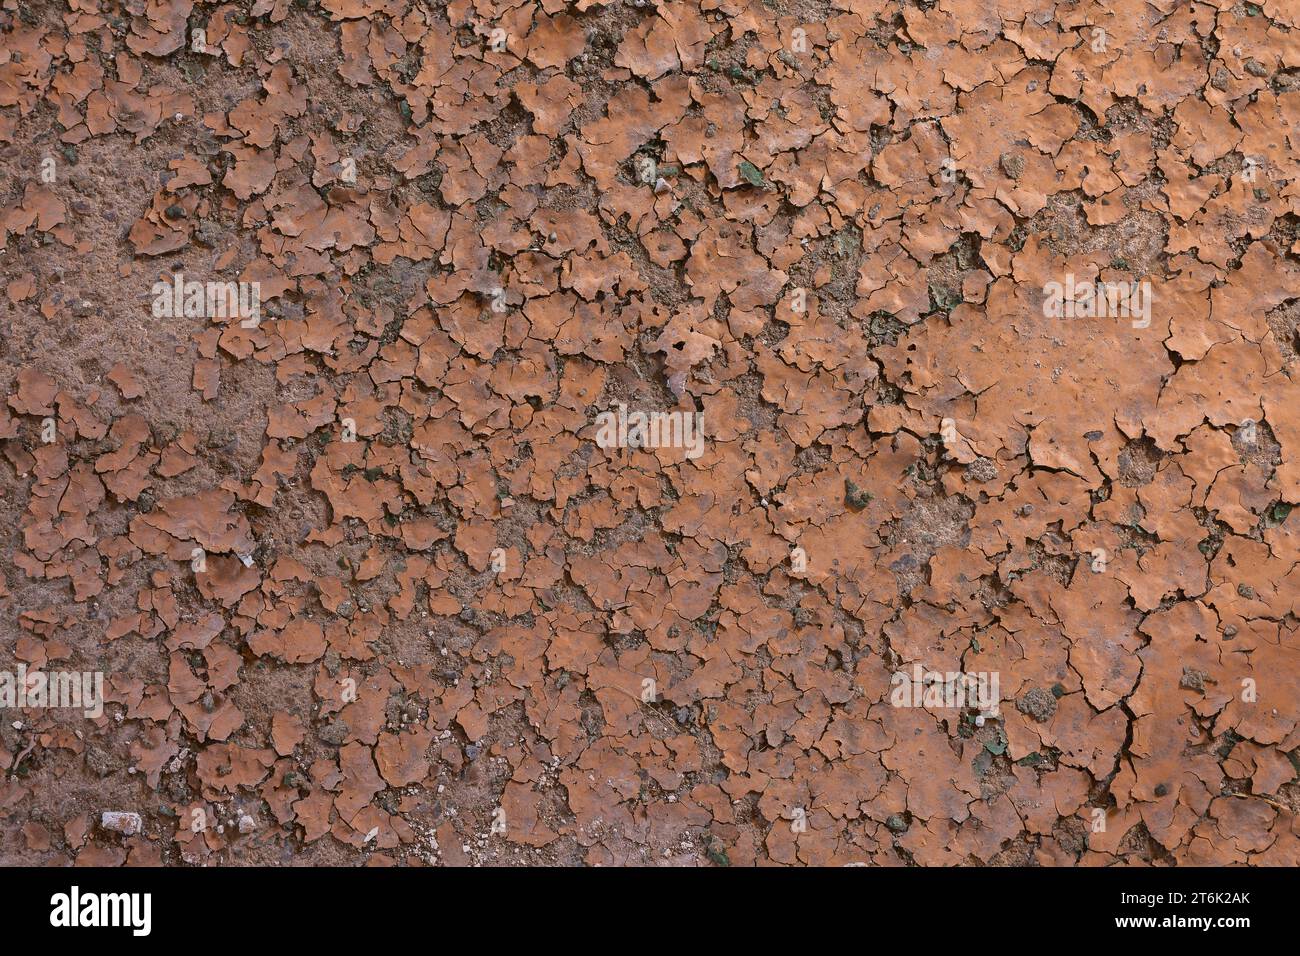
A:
<point x="378" y="559"/>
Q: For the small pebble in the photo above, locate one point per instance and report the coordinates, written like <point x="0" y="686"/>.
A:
<point x="121" y="821"/>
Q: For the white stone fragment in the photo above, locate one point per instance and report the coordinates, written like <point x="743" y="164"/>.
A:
<point x="120" y="821"/>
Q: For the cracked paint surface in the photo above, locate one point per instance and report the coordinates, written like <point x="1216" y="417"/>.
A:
<point x="380" y="568"/>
